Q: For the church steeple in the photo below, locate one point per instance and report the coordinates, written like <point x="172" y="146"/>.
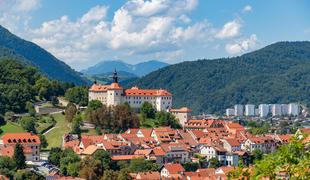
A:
<point x="115" y="78"/>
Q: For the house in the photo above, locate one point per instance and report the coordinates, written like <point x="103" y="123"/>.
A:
<point x="182" y="115"/>
<point x="175" y="152"/>
<point x="213" y="151"/>
<point x="30" y="143"/>
<point x="231" y="144"/>
<point x="169" y="170"/>
<point x="153" y="175"/>
<point x="264" y="143"/>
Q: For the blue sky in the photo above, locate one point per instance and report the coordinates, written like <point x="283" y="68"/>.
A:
<point x="85" y="32"/>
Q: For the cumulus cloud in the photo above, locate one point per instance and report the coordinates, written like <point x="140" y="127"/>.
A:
<point x="242" y="46"/>
<point x="247" y="9"/>
<point x="230" y="29"/>
<point x="14" y="13"/>
<point x="139" y="28"/>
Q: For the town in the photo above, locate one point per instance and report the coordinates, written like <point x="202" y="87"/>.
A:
<point x="154" y="90"/>
<point x="192" y="147"/>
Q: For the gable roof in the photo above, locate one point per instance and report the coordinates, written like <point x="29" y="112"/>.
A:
<point x="22" y="138"/>
<point x="174" y="168"/>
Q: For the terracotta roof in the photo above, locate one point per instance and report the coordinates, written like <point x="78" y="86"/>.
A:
<point x="99" y="88"/>
<point x="146" y="132"/>
<point x="126" y="157"/>
<point x="115" y="86"/>
<point x="148" y="175"/>
<point x="198" y="133"/>
<point x="305" y="130"/>
<point x="285" y="137"/>
<point x="233" y="141"/>
<point x="22" y="138"/>
<point x="135" y="91"/>
<point x="90" y="150"/>
<point x="174" y="168"/>
<point x="7" y="151"/>
<point x="158" y="151"/>
<point x="143" y="152"/>
<point x="181" y="110"/>
<point x="71" y="144"/>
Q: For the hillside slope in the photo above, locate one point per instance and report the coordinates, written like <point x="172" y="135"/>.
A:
<point x="45" y="61"/>
<point x="278" y="73"/>
<point x="139" y="69"/>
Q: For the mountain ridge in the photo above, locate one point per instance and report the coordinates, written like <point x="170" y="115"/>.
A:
<point x="278" y="73"/>
<point x="45" y="61"/>
<point x="139" y="69"/>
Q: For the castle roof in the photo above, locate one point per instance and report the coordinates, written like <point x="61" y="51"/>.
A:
<point x="135" y="91"/>
<point x="22" y="138"/>
<point x="181" y="110"/>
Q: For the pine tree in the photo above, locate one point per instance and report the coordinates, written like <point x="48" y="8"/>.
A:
<point x="19" y="157"/>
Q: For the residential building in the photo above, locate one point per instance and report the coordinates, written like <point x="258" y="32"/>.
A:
<point x="250" y="110"/>
<point x="182" y="115"/>
<point x="114" y="94"/>
<point x="293" y="109"/>
<point x="30" y="143"/>
<point x="169" y="170"/>
<point x="263" y="110"/>
<point x="175" y="152"/>
<point x="276" y="109"/>
<point x="231" y="144"/>
<point x="238" y="110"/>
<point x="284" y="109"/>
<point x="230" y="112"/>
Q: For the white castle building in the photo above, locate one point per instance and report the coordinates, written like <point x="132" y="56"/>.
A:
<point x="114" y="94"/>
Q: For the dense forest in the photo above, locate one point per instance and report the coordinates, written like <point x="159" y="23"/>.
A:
<point x="13" y="47"/>
<point x="278" y="73"/>
<point x="21" y="84"/>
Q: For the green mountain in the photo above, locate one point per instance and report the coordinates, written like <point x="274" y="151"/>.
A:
<point x="278" y="73"/>
<point x="13" y="47"/>
<point x="106" y="78"/>
<point x="139" y="69"/>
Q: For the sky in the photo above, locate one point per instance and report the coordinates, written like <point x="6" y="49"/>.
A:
<point x="84" y="32"/>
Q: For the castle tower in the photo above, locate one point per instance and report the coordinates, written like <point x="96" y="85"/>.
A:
<point x="115" y="92"/>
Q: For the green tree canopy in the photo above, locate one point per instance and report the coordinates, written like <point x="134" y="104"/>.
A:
<point x="19" y="157"/>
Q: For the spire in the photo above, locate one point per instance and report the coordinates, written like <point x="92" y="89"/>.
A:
<point x="95" y="82"/>
<point x="115" y="78"/>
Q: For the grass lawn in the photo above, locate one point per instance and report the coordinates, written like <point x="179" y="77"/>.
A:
<point x="11" y="127"/>
<point x="89" y="132"/>
<point x="54" y="136"/>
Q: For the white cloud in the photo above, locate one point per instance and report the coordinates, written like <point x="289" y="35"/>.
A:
<point x="157" y="28"/>
<point x="230" y="29"/>
<point x="247" y="9"/>
<point x="95" y="14"/>
<point x="242" y="46"/>
<point x="14" y="13"/>
<point x="139" y="30"/>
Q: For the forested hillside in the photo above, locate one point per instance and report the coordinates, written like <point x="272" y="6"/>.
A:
<point x="139" y="69"/>
<point x="278" y="73"/>
<point x="13" y="47"/>
<point x="21" y="84"/>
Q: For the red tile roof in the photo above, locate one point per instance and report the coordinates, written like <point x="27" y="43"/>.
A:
<point x="148" y="175"/>
<point x="126" y="157"/>
<point x="22" y="138"/>
<point x="174" y="168"/>
<point x="181" y="110"/>
<point x="135" y="91"/>
<point x="158" y="151"/>
<point x="7" y="151"/>
<point x="233" y="142"/>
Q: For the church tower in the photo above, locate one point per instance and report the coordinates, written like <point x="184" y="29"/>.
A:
<point x="115" y="92"/>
